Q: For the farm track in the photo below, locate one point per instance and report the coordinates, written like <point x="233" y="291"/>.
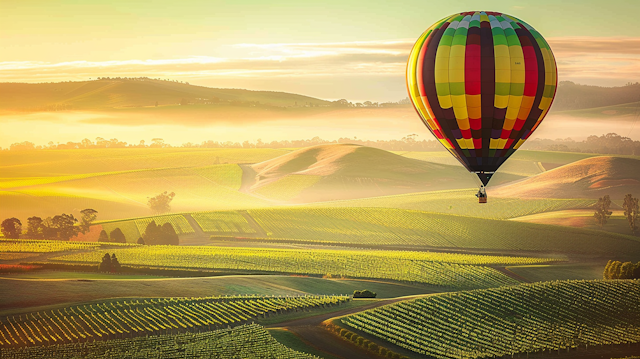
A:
<point x="311" y="331"/>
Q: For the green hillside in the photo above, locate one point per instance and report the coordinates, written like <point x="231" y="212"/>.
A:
<point x="395" y="227"/>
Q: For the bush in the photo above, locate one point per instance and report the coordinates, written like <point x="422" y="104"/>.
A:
<point x="364" y="294"/>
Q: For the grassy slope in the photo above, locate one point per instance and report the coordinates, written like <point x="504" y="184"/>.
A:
<point x="617" y="223"/>
<point x="399" y="227"/>
<point x="588" y="178"/>
<point x="118" y="182"/>
<point x="342" y="171"/>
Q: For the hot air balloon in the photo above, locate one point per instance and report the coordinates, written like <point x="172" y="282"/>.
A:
<point x="481" y="82"/>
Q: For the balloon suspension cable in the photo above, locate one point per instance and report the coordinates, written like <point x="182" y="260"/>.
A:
<point x="482" y="193"/>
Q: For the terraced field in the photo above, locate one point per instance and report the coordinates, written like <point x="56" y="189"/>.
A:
<point x="529" y="318"/>
<point x="245" y="341"/>
<point x="447" y="270"/>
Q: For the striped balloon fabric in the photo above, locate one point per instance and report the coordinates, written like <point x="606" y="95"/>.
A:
<point x="482" y="82"/>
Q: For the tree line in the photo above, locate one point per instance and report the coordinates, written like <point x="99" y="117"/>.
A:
<point x="620" y="270"/>
<point x="407" y="143"/>
<point x="59" y="227"/>
<point x="631" y="211"/>
<point x="611" y="143"/>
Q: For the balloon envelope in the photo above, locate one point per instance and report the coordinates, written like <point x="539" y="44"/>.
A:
<point x="482" y="82"/>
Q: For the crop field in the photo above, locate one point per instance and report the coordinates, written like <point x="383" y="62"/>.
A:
<point x="287" y="188"/>
<point x="464" y="203"/>
<point x="528" y="318"/>
<point x="179" y="223"/>
<point x="118" y="319"/>
<point x="385" y="226"/>
<point x="245" y="341"/>
<point x="42" y="246"/>
<point x="448" y="270"/>
<point x="223" y="222"/>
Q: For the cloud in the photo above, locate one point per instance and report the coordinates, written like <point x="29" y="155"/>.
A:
<point x="596" y="58"/>
<point x="571" y="46"/>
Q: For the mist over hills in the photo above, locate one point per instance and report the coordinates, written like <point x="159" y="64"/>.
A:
<point x="113" y="93"/>
<point x="141" y="92"/>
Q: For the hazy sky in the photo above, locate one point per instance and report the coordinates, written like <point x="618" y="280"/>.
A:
<point x="329" y="49"/>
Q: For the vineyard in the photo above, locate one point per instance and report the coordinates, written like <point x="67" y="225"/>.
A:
<point x="179" y="223"/>
<point x="223" y="222"/>
<point x="42" y="246"/>
<point x="249" y="341"/>
<point x="463" y="203"/>
<point x="129" y="318"/>
<point x="450" y="270"/>
<point x="495" y="322"/>
<point x="386" y="226"/>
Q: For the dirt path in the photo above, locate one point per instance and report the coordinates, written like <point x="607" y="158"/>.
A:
<point x="252" y="222"/>
<point x="310" y="330"/>
<point x="509" y="273"/>
<point x="248" y="177"/>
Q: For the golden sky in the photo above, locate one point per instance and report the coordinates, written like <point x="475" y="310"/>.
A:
<point x="329" y="49"/>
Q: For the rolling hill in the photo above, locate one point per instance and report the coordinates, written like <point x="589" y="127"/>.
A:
<point x="588" y="178"/>
<point x="342" y="171"/>
<point x="122" y="93"/>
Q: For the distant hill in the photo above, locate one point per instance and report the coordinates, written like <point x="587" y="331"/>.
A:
<point x="122" y="93"/>
<point x="588" y="178"/>
<point x="143" y="92"/>
<point x="572" y="96"/>
<point x="341" y="171"/>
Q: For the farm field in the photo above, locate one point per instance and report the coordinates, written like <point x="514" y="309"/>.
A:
<point x="38" y="293"/>
<point x="248" y="341"/>
<point x="141" y="317"/>
<point x="441" y="269"/>
<point x="464" y="203"/>
<point x="562" y="271"/>
<point x="386" y="226"/>
<point x="617" y="223"/>
<point x="529" y="318"/>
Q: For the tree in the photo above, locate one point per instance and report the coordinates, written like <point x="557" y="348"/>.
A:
<point x="103" y="237"/>
<point x="160" y="235"/>
<point x="35" y="227"/>
<point x="65" y="226"/>
<point x="631" y="210"/>
<point x="161" y="203"/>
<point x="88" y="216"/>
<point x="116" y="236"/>
<point x="105" y="265"/>
<point x="170" y="235"/>
<point x="115" y="265"/>
<point x="602" y="213"/>
<point x="11" y="228"/>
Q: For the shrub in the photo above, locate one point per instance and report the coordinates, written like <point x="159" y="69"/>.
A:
<point x="364" y="294"/>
